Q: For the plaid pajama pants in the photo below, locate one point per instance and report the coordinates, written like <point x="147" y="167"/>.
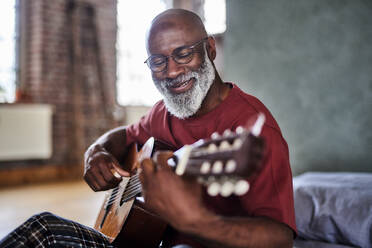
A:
<point x="49" y="230"/>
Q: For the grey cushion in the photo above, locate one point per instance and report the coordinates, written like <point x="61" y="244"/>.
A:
<point x="334" y="207"/>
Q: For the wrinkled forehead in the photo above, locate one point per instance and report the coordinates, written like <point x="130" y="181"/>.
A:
<point x="169" y="33"/>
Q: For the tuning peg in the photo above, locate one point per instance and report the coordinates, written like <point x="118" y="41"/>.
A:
<point x="227" y="133"/>
<point x="212" y="148"/>
<point x="202" y="180"/>
<point x="214" y="189"/>
<point x="237" y="143"/>
<point x="217" y="167"/>
<point x="239" y="130"/>
<point x="215" y="135"/>
<point x="224" y="146"/>
<point x="241" y="187"/>
<point x="227" y="189"/>
<point x="205" y="167"/>
<point x="230" y="166"/>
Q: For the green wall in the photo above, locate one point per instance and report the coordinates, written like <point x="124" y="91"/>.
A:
<point x="310" y="62"/>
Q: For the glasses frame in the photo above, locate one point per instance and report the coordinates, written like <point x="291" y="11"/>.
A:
<point x="192" y="47"/>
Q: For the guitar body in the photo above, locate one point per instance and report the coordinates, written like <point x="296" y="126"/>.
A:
<point x="141" y="228"/>
<point x="123" y="217"/>
<point x="129" y="224"/>
<point x="111" y="218"/>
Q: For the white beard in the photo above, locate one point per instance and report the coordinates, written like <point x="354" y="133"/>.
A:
<point x="186" y="104"/>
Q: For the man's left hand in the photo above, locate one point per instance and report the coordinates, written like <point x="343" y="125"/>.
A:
<point x="176" y="199"/>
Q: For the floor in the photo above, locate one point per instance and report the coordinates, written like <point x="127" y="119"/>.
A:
<point x="72" y="200"/>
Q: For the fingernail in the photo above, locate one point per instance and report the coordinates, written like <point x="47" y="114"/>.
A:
<point x="117" y="175"/>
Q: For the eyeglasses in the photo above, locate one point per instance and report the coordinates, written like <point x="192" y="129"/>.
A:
<point x="181" y="55"/>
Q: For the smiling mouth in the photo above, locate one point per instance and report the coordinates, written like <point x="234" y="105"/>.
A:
<point x="183" y="86"/>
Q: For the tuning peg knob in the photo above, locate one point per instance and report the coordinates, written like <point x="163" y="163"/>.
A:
<point x="215" y="135"/>
<point x="230" y="166"/>
<point x="227" y="133"/>
<point x="227" y="188"/>
<point x="224" y="146"/>
<point x="205" y="167"/>
<point x="239" y="130"/>
<point x="214" y="189"/>
<point x="241" y="187"/>
<point x="237" y="143"/>
<point x="217" y="167"/>
<point x="212" y="148"/>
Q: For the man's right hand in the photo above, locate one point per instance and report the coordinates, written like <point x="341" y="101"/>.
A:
<point x="101" y="170"/>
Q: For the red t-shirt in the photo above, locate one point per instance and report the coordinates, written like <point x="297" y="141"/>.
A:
<point x="271" y="192"/>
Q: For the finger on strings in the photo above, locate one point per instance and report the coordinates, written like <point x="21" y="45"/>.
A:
<point x="147" y="167"/>
<point x="161" y="158"/>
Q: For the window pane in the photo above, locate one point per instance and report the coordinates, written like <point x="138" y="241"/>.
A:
<point x="215" y="16"/>
<point x="7" y="50"/>
<point x="134" y="85"/>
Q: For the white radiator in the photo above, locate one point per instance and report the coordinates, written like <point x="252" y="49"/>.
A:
<point x="25" y="131"/>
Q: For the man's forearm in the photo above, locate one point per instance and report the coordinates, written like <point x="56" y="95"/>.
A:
<point x="114" y="142"/>
<point x="217" y="231"/>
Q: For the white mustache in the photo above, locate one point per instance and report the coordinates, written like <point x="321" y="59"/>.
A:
<point x="179" y="79"/>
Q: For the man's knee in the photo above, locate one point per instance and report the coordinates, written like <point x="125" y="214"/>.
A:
<point x="42" y="218"/>
<point x="43" y="215"/>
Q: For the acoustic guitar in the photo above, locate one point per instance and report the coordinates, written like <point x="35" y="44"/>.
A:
<point x="221" y="163"/>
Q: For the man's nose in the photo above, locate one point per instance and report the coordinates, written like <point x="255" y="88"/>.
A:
<point x="174" y="69"/>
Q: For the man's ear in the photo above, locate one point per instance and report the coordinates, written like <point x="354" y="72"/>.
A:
<point x="211" y="48"/>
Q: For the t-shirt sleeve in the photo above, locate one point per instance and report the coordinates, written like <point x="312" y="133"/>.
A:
<point x="140" y="131"/>
<point x="271" y="192"/>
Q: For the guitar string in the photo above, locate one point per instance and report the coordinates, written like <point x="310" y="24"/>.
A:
<point x="132" y="193"/>
<point x="131" y="184"/>
<point x="132" y="189"/>
<point x="128" y="195"/>
<point x="113" y="194"/>
<point x="116" y="191"/>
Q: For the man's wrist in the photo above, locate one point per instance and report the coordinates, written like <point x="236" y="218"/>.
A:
<point x="200" y="222"/>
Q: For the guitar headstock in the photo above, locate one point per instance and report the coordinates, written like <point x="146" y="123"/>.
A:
<point x="225" y="161"/>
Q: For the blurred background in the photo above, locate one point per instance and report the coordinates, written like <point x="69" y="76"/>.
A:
<point x="72" y="69"/>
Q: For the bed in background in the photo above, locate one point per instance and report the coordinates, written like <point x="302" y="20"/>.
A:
<point x="333" y="210"/>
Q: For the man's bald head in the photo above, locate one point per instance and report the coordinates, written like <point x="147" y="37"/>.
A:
<point x="176" y="19"/>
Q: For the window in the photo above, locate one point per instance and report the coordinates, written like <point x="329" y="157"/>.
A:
<point x="215" y="16"/>
<point x="7" y="51"/>
<point x="134" y="82"/>
<point x="135" y="85"/>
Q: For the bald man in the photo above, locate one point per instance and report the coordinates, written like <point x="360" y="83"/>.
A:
<point x="196" y="103"/>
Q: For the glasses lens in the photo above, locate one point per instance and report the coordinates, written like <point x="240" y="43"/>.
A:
<point x="183" y="55"/>
<point x="157" y="63"/>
